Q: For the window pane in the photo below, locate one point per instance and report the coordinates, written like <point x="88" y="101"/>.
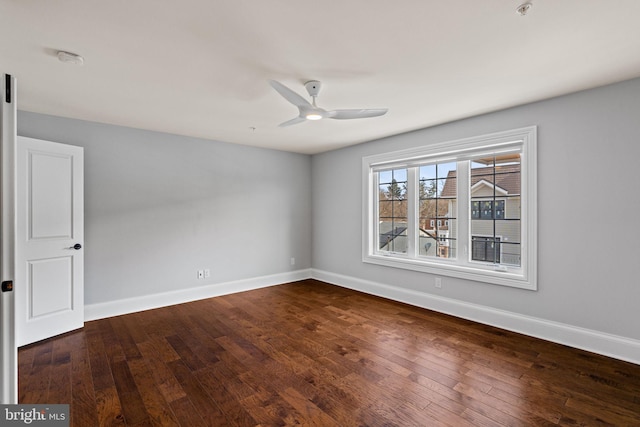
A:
<point x="428" y="172"/>
<point x="384" y="177"/>
<point x="441" y="247"/>
<point x="428" y="189"/>
<point x="393" y="235"/>
<point x="395" y="186"/>
<point x="446" y="192"/>
<point x="385" y="209"/>
<point x="486" y="249"/>
<point x="486" y="209"/>
<point x="437" y="196"/>
<point x="435" y="209"/>
<point x="498" y="212"/>
<point x="400" y="175"/>
<point x="509" y="232"/>
<point x="512" y="208"/>
<point x="427" y="245"/>
<point x="495" y="209"/>
<point x="446" y="169"/>
<point x="428" y="212"/>
<point x="438" y="179"/>
<point x="475" y="210"/>
<point x="392" y="210"/>
<point x="480" y="227"/>
<point x="511" y="254"/>
<point x="384" y="195"/>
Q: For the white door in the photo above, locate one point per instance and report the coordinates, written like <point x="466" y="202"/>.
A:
<point x="49" y="291"/>
<point x="8" y="348"/>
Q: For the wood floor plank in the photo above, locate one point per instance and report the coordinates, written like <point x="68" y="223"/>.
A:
<point x="124" y="337"/>
<point x="186" y="412"/>
<point x="60" y="382"/>
<point x="155" y="404"/>
<point x="310" y="353"/>
<point x="34" y="379"/>
<point x="187" y="356"/>
<point x="84" y="408"/>
<point x="270" y="408"/>
<point x="163" y="377"/>
<point x="100" y="369"/>
<point x="205" y="405"/>
<point x="131" y="401"/>
<point x="228" y="390"/>
<point x="111" y="342"/>
<point x="109" y="411"/>
<point x="312" y="415"/>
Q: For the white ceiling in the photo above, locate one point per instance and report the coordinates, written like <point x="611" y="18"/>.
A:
<point x="201" y="67"/>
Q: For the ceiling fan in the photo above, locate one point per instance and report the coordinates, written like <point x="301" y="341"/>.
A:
<point x="310" y="111"/>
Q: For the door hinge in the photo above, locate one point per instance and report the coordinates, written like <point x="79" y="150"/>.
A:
<point x="7" y="88"/>
<point x="7" y="286"/>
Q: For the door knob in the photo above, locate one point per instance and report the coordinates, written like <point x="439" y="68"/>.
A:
<point x="77" y="246"/>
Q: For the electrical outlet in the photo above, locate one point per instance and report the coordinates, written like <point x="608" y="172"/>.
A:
<point x="293" y="261"/>
<point x="438" y="282"/>
<point x="207" y="273"/>
<point x="200" y="274"/>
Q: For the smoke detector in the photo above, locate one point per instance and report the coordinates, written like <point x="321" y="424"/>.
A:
<point x="524" y="8"/>
<point x="70" y="58"/>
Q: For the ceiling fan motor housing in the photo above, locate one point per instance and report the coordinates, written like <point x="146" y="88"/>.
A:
<point x="313" y="87"/>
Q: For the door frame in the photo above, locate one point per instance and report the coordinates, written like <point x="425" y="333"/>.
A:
<point x="8" y="348"/>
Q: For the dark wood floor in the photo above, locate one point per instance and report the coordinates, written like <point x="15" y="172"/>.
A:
<point x="309" y="353"/>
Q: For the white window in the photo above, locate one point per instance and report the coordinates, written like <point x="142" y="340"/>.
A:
<point x="464" y="208"/>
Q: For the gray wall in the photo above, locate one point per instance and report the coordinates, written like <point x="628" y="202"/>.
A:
<point x="588" y="210"/>
<point x="159" y="207"/>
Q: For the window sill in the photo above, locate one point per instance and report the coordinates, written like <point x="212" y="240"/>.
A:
<point x="510" y="277"/>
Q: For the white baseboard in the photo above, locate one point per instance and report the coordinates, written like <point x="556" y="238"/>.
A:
<point x="618" y="347"/>
<point x="147" y="302"/>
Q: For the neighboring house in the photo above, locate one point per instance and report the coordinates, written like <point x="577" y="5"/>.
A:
<point x="495" y="212"/>
<point x="434" y="237"/>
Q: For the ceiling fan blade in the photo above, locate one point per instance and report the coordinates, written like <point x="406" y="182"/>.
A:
<point x="292" y="121"/>
<point x="289" y="95"/>
<point x="357" y="114"/>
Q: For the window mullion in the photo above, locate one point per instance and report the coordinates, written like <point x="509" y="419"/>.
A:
<point x="464" y="210"/>
<point x="412" y="212"/>
<point x="374" y="214"/>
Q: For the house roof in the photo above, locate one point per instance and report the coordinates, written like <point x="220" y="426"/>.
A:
<point x="386" y="238"/>
<point x="507" y="178"/>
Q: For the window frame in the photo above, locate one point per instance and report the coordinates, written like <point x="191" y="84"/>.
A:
<point x="523" y="140"/>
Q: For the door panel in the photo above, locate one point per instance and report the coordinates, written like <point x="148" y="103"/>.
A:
<point x="51" y="280"/>
<point x="49" y="224"/>
<point x="50" y="201"/>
